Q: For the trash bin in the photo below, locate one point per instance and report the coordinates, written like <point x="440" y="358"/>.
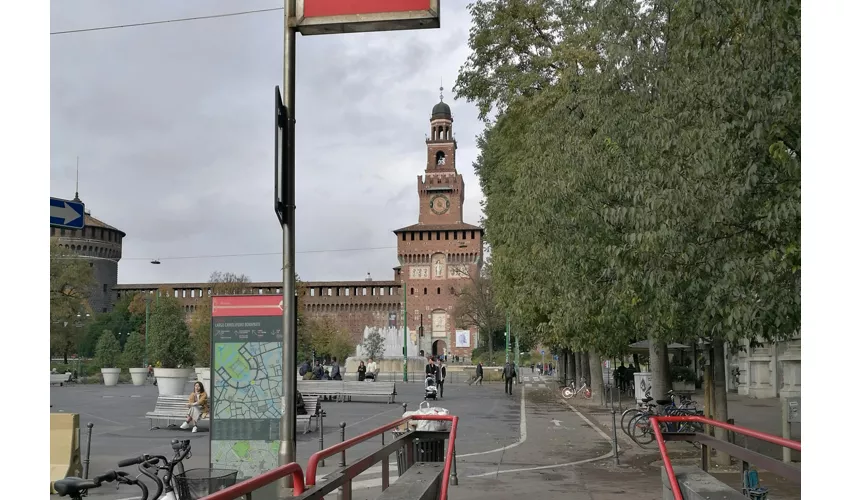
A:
<point x="427" y="447"/>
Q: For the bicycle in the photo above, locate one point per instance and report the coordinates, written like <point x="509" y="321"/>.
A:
<point x="182" y="450"/>
<point x="76" y="487"/>
<point x="569" y="391"/>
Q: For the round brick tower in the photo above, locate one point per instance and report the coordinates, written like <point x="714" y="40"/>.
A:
<point x="102" y="244"/>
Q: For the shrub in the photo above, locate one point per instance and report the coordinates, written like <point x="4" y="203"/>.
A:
<point x="107" y="353"/>
<point x="169" y="344"/>
<point x="682" y="374"/>
<point x="134" y="351"/>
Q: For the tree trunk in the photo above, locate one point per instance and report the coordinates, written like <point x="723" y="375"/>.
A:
<point x="490" y="348"/>
<point x="659" y="365"/>
<point x="721" y="410"/>
<point x="598" y="387"/>
<point x="585" y="368"/>
<point x="573" y="368"/>
<point x="636" y="361"/>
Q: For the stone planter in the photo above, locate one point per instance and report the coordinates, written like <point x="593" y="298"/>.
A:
<point x="172" y="381"/>
<point x="110" y="375"/>
<point x="139" y="375"/>
<point x="683" y="386"/>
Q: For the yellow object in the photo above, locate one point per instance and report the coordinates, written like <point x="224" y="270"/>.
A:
<point x="64" y="447"/>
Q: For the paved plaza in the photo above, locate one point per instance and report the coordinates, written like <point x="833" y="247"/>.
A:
<point x="530" y="443"/>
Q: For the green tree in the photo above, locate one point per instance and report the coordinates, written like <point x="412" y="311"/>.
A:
<point x="200" y="326"/>
<point x="121" y="319"/>
<point x="373" y="344"/>
<point x="169" y="343"/>
<point x="329" y="338"/>
<point x="134" y="351"/>
<point x="71" y="279"/>
<point x="476" y="306"/>
<point x="108" y="351"/>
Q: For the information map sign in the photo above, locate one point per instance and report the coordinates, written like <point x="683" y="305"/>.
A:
<point x="247" y="383"/>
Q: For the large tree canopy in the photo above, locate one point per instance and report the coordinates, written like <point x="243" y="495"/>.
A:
<point x="642" y="174"/>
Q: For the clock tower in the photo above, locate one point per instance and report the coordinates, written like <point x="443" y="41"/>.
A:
<point x="441" y="189"/>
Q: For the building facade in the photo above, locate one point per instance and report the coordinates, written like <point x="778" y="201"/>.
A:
<point x="101" y="244"/>
<point x="438" y="255"/>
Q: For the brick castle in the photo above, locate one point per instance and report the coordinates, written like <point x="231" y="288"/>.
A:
<point x="438" y="255"/>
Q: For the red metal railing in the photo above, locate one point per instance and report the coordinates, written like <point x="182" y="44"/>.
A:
<point x="298" y="477"/>
<point x="662" y="446"/>
<point x="264" y="479"/>
<point x="313" y="463"/>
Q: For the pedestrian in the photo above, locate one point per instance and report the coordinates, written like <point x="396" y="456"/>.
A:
<point x="441" y="376"/>
<point x="361" y="372"/>
<point x="335" y="374"/>
<point x="620" y="375"/>
<point x="479" y="374"/>
<point x="508" y="373"/>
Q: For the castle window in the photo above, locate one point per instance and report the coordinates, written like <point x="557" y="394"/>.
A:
<point x="446" y="235"/>
<point x="472" y="235"/>
<point x="403" y="236"/>
<point x="438" y="290"/>
<point x="411" y="291"/>
<point x="61" y="231"/>
<point x="441" y="158"/>
<point x="347" y="292"/>
<point x="464" y="235"/>
<point x="382" y="291"/>
<point x="455" y="235"/>
<point x="425" y="292"/>
<point x="429" y="235"/>
<point x="312" y="292"/>
<point x="438" y="236"/>
<point x="421" y="235"/>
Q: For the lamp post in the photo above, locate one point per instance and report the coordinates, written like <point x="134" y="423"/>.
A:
<point x="406" y="334"/>
<point x="147" y="322"/>
<point x="508" y="340"/>
<point x="516" y="357"/>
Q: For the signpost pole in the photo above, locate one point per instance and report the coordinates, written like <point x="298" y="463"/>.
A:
<point x="286" y="453"/>
<point x="516" y="357"/>
<point x="406" y="335"/>
<point x="508" y="340"/>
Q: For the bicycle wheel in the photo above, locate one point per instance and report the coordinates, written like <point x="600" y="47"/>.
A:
<point x="568" y="392"/>
<point x="626" y="417"/>
<point x="641" y="428"/>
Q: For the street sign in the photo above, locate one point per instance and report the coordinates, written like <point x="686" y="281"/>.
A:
<point x="556" y="357"/>
<point x="66" y="213"/>
<point x="281" y="158"/>
<point x="324" y="17"/>
<point x="542" y="351"/>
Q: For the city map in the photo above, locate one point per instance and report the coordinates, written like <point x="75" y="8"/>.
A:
<point x="247" y="380"/>
<point x="249" y="457"/>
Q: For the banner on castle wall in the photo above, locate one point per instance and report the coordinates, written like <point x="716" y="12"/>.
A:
<point x="247" y="382"/>
<point x="392" y="319"/>
<point x="462" y="338"/>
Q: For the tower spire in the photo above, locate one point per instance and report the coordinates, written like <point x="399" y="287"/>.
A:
<point x="77" y="184"/>
<point x="441" y="89"/>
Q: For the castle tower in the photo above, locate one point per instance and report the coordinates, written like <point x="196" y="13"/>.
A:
<point x="440" y="253"/>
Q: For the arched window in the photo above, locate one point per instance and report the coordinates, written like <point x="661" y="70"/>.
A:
<point x="441" y="158"/>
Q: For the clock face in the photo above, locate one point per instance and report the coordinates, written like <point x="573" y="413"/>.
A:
<point x="439" y="204"/>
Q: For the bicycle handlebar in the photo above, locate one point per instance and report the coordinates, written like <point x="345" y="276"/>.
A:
<point x="132" y="461"/>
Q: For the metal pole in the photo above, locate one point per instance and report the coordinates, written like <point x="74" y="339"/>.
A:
<point x="342" y="439"/>
<point x="453" y="477"/>
<point x="614" y="426"/>
<point x="321" y="435"/>
<point x="147" y="322"/>
<point x="88" y="452"/>
<point x="406" y="334"/>
<point x="508" y="340"/>
<point x="287" y="424"/>
<point x="516" y="358"/>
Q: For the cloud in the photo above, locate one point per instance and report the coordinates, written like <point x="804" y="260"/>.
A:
<point x="173" y="127"/>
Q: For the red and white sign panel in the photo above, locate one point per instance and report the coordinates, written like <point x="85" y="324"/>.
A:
<point x="247" y="305"/>
<point x="324" y="17"/>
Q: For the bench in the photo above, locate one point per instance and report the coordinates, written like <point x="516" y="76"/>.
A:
<point x="60" y="378"/>
<point x="421" y="481"/>
<point x="311" y="404"/>
<point x="171" y="408"/>
<point x="346" y="390"/>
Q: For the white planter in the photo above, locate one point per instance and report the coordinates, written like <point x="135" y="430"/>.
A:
<point x="139" y="375"/>
<point x="172" y="381"/>
<point x="110" y="375"/>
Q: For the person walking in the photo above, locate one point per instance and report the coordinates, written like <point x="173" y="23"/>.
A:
<point x="335" y="374"/>
<point x="441" y="376"/>
<point x="479" y="374"/>
<point x="508" y="373"/>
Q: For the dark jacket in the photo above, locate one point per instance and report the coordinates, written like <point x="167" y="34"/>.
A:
<point x="479" y="370"/>
<point x="508" y="371"/>
<point x="431" y="370"/>
<point x="335" y="372"/>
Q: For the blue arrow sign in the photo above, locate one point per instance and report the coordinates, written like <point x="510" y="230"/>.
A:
<point x="67" y="214"/>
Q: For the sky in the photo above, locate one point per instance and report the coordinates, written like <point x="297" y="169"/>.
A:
<point x="173" y="127"/>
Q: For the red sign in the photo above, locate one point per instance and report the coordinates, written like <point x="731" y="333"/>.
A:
<point x="247" y="305"/>
<point x="318" y="17"/>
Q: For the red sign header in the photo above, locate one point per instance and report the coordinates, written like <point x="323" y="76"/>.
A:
<point x="247" y="305"/>
<point x="321" y="17"/>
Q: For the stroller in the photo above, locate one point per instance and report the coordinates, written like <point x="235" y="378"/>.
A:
<point x="430" y="387"/>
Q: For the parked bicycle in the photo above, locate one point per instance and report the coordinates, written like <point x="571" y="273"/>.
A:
<point x="569" y="391"/>
<point x="76" y="487"/>
<point x="149" y="465"/>
<point x="640" y="429"/>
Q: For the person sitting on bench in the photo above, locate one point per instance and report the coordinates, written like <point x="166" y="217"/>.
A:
<point x="197" y="407"/>
<point x="371" y="370"/>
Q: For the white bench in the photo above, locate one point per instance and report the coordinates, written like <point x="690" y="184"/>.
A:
<point x="346" y="390"/>
<point x="60" y="378"/>
<point x="174" y="409"/>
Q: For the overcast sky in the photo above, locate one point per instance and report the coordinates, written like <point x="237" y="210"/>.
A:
<point x="173" y="125"/>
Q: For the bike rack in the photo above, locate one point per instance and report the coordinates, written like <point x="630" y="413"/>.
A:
<point x="304" y="485"/>
<point x="706" y="442"/>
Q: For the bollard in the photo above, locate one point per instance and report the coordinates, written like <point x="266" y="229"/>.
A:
<point x="341" y="439"/>
<point x="453" y="477"/>
<point x="88" y="452"/>
<point x="403" y="411"/>
<point x="614" y="427"/>
<point x="321" y="434"/>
